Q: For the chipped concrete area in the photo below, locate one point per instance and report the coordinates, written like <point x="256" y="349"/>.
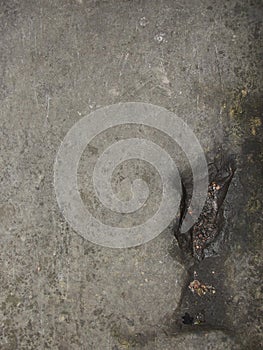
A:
<point x="62" y="60"/>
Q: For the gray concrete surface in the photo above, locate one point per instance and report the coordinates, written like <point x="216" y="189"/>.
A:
<point x="59" y="61"/>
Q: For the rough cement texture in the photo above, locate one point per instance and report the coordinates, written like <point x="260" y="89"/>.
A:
<point x="59" y="61"/>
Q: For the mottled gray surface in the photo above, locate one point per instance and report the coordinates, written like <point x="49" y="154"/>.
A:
<point x="62" y="59"/>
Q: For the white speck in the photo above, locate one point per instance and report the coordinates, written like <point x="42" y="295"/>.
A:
<point x="160" y="38"/>
<point x="79" y="113"/>
<point x="114" y="92"/>
<point x="61" y="276"/>
<point x="61" y="318"/>
<point x="143" y="22"/>
<point x="180" y="92"/>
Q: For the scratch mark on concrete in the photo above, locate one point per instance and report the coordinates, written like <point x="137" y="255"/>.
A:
<point x="124" y="63"/>
<point x="48" y="99"/>
<point x="218" y="68"/>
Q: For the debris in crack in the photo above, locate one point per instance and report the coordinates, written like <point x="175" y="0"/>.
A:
<point x="204" y="308"/>
<point x="198" y="319"/>
<point x="187" y="319"/>
<point x="210" y="222"/>
<point x="200" y="288"/>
